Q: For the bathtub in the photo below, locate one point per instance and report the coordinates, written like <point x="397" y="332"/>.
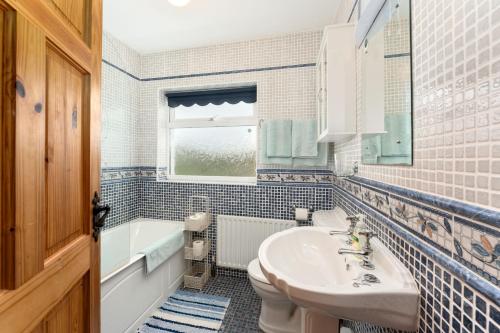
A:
<point x="128" y="295"/>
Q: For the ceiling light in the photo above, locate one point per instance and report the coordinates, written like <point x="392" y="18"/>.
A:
<point x="179" y="3"/>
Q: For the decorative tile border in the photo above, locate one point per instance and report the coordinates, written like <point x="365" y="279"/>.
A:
<point x="128" y="173"/>
<point x="452" y="298"/>
<point x="477" y="247"/>
<point x="266" y="177"/>
<point x="476" y="213"/>
<point x="472" y="243"/>
<point x="120" y="174"/>
<point x="409" y="248"/>
<point x="291" y="177"/>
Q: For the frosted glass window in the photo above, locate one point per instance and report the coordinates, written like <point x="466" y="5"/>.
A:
<point x="213" y="141"/>
<point x="213" y="151"/>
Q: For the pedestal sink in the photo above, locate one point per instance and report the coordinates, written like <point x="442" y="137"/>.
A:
<point x="304" y="264"/>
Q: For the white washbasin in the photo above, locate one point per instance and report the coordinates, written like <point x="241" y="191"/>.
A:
<point x="304" y="264"/>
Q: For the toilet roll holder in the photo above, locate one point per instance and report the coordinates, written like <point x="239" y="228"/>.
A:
<point x="310" y="210"/>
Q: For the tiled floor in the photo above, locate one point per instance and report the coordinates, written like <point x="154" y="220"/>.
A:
<point x="243" y="313"/>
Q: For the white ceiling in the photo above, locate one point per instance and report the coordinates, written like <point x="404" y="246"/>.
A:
<point x="155" y="25"/>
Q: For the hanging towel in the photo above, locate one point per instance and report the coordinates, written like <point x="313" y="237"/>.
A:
<point x="163" y="249"/>
<point x="304" y="138"/>
<point x="371" y="147"/>
<point x="263" y="158"/>
<point x="279" y="138"/>
<point x="320" y="161"/>
<point x="397" y="140"/>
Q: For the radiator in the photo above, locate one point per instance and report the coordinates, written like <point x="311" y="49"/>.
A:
<point x="239" y="238"/>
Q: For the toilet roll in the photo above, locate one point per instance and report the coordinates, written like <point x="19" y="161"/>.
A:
<point x="301" y="214"/>
<point x="197" y="248"/>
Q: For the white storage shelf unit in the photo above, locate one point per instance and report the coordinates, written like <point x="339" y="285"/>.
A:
<point x="336" y="84"/>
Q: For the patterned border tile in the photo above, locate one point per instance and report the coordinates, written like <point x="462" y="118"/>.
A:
<point x="480" y="214"/>
<point x="465" y="275"/>
<point x="272" y="177"/>
<point x="478" y="248"/>
<point x="292" y="177"/>
<point x="109" y="175"/>
<point x="120" y="174"/>
<point x="432" y="225"/>
<point x="471" y="243"/>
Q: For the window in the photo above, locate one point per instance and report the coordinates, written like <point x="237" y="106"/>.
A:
<point x="212" y="142"/>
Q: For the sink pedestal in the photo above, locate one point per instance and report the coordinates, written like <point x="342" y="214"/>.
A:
<point x="316" y="322"/>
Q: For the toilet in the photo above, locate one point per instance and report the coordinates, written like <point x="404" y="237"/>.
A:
<point x="278" y="314"/>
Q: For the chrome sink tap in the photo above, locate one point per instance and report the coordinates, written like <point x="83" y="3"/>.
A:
<point x="367" y="248"/>
<point x="353" y="219"/>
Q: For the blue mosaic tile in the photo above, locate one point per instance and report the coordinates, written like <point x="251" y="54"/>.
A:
<point x="169" y="201"/>
<point x="447" y="301"/>
<point x="122" y="196"/>
<point x="471" y="243"/>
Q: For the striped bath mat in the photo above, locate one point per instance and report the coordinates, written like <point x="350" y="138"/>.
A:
<point x="186" y="312"/>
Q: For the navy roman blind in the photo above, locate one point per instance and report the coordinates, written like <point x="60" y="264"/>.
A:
<point x="213" y="96"/>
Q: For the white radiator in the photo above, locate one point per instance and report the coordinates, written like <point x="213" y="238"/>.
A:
<point x="239" y="238"/>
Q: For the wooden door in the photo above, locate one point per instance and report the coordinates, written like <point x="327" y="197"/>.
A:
<point x="50" y="67"/>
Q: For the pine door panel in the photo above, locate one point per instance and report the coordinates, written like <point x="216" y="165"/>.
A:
<point x="70" y="314"/>
<point x="74" y="13"/>
<point x="66" y="92"/>
<point x="23" y="156"/>
<point x="50" y="66"/>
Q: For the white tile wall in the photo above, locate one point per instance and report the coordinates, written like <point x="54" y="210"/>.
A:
<point x="456" y="73"/>
<point x="278" y="51"/>
<point x="281" y="93"/>
<point x="120" y="105"/>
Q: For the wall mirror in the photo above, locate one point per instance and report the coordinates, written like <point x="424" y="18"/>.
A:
<point x="384" y="50"/>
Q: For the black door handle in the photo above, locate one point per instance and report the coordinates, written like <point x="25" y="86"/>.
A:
<point x="99" y="212"/>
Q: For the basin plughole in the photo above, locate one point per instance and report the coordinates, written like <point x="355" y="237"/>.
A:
<point x="304" y="264"/>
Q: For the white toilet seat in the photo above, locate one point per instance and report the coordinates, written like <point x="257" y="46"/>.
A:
<point x="278" y="313"/>
<point x="255" y="272"/>
<point x="264" y="287"/>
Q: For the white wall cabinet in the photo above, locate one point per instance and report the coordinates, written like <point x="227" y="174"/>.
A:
<point x="336" y="84"/>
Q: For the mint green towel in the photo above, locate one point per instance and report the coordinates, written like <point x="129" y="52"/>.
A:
<point x="398" y="127"/>
<point x="279" y="138"/>
<point x="319" y="161"/>
<point x="371" y="147"/>
<point x="163" y="249"/>
<point x="263" y="158"/>
<point x="304" y="138"/>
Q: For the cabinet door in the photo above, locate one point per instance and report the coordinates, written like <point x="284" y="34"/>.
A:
<point x="319" y="88"/>
<point x="323" y="91"/>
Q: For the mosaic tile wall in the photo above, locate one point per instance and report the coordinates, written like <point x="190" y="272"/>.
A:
<point x="282" y="68"/>
<point x="397" y="73"/>
<point x="133" y="107"/>
<point x="124" y="199"/>
<point x="456" y="72"/>
<point x="453" y="298"/>
<point x="120" y="105"/>
<point x="170" y="201"/>
<point x="450" y="241"/>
